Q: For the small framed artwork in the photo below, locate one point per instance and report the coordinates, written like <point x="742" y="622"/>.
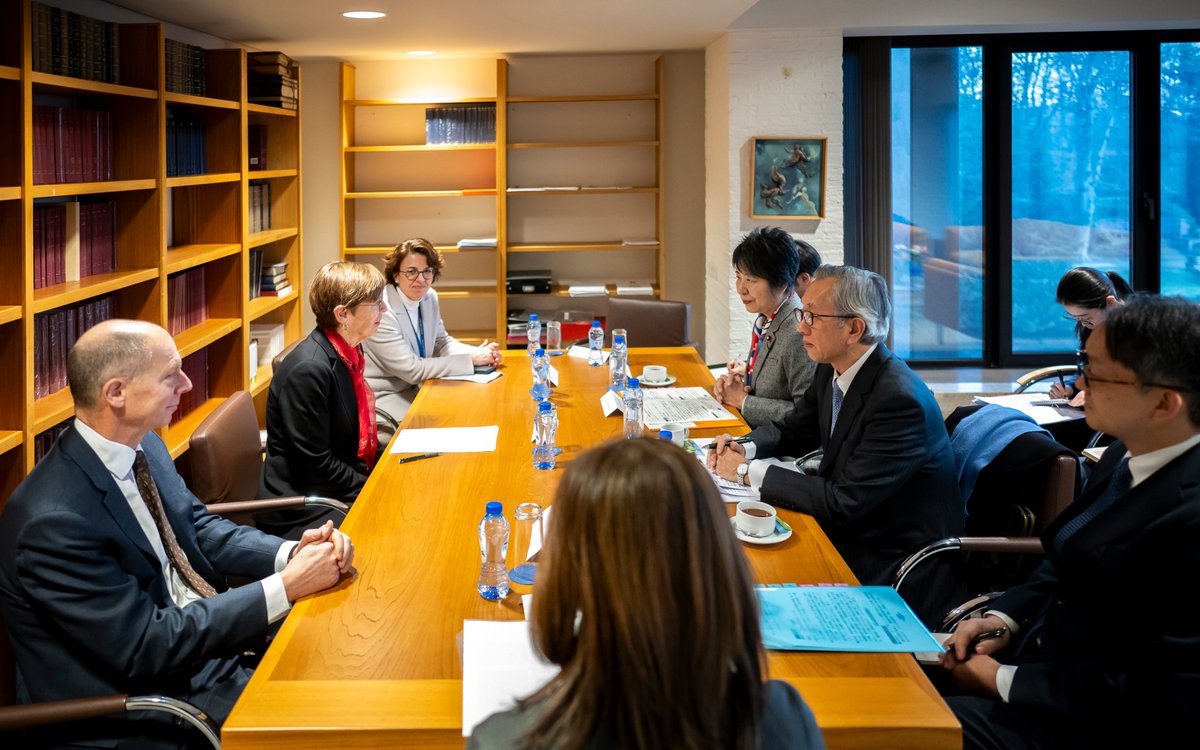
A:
<point x="788" y="178"/>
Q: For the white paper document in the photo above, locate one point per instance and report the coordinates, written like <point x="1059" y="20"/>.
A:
<point x="446" y="440"/>
<point x="587" y="290"/>
<point x="582" y="352"/>
<point x="1025" y="403"/>
<point x="693" y="404"/>
<point x="500" y="665"/>
<point x="484" y="378"/>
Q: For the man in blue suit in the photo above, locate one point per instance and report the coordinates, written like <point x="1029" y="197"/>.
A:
<point x="887" y="484"/>
<point x="113" y="574"/>
<point x="1101" y="646"/>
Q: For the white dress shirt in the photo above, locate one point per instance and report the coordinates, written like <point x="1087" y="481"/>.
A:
<point x="118" y="459"/>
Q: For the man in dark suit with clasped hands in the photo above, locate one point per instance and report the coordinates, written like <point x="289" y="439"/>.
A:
<point x="887" y="483"/>
<point x="113" y="574"/>
<point x="1102" y="644"/>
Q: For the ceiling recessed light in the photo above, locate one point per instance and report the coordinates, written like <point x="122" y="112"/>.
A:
<point x="420" y="52"/>
<point x="364" y="14"/>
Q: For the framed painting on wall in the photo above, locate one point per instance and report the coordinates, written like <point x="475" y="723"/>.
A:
<point x="787" y="178"/>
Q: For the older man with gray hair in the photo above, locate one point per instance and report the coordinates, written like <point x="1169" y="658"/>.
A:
<point x="887" y="483"/>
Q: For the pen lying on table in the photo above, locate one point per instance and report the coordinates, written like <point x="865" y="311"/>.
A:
<point x="742" y="439"/>
<point x="417" y="458"/>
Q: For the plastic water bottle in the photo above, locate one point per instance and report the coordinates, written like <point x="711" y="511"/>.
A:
<point x="541" y="375"/>
<point x="493" y="548"/>
<point x="545" y="424"/>
<point x="616" y="365"/>
<point x="633" y="409"/>
<point x="595" y="344"/>
<point x="534" y="332"/>
<point x="666" y="435"/>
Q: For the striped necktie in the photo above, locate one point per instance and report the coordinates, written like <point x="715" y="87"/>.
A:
<point x="760" y="324"/>
<point x="1118" y="486"/>
<point x="175" y="556"/>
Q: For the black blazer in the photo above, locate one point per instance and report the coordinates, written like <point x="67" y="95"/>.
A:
<point x="87" y="606"/>
<point x="312" y="425"/>
<point x="887" y="484"/>
<point x="1110" y="625"/>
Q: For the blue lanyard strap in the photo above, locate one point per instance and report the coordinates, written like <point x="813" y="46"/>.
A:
<point x="418" y="330"/>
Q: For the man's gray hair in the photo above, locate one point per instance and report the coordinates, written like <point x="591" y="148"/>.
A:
<point x="863" y="294"/>
<point x="115" y="351"/>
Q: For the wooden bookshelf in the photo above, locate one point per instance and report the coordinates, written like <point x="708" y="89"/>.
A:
<point x="162" y="225"/>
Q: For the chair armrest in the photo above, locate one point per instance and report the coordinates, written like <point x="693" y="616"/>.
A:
<point x="387" y="419"/>
<point x="1017" y="545"/>
<point x="276" y="503"/>
<point x="76" y="709"/>
<point x="1043" y="373"/>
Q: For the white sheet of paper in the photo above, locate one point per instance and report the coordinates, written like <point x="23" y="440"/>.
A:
<point x="553" y="376"/>
<point x="535" y="537"/>
<point x="447" y="440"/>
<point x="485" y="378"/>
<point x="582" y="352"/>
<point x="1023" y="402"/>
<point x="693" y="404"/>
<point x="500" y="665"/>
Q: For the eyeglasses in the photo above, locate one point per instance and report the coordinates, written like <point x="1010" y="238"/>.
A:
<point x="807" y="317"/>
<point x="412" y="273"/>
<point x="378" y="304"/>
<point x="1085" y="367"/>
<point x="1083" y="320"/>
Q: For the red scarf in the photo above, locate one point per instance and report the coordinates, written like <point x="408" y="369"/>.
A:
<point x="352" y="357"/>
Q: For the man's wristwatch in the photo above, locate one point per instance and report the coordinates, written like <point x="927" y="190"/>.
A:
<point x="743" y="470"/>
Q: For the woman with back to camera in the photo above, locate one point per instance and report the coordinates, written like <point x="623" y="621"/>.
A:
<point x="412" y="345"/>
<point x="773" y="271"/>
<point x="645" y="600"/>
<point x="1087" y="295"/>
<point x="321" y="437"/>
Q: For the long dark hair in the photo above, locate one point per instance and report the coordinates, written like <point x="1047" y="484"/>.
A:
<point x="1087" y="287"/>
<point x="646" y="601"/>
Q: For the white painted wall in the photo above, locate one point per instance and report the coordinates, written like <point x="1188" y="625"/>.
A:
<point x="771" y="83"/>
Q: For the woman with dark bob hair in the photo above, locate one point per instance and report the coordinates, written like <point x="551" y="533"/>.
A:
<point x="645" y="600"/>
<point x="1087" y="295"/>
<point x="412" y="345"/>
<point x="321" y="437"/>
<point x="770" y="264"/>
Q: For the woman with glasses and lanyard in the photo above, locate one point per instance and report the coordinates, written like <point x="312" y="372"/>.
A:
<point x="772" y="272"/>
<point x="1087" y="295"/>
<point x="412" y="345"/>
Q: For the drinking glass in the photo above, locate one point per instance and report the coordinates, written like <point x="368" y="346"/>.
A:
<point x="553" y="337"/>
<point x="526" y="518"/>
<point x="620" y="332"/>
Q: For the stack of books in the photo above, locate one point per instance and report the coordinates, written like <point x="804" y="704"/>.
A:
<point x="185" y="68"/>
<point x="274" y="281"/>
<point x="185" y="144"/>
<point x="71" y="145"/>
<point x="271" y="80"/>
<point x="55" y="332"/>
<point x="260" y="207"/>
<point x="72" y="240"/>
<point x="68" y="44"/>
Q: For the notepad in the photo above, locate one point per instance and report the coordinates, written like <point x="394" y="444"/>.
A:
<point x="446" y="440"/>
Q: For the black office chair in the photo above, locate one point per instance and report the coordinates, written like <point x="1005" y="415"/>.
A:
<point x="1015" y="497"/>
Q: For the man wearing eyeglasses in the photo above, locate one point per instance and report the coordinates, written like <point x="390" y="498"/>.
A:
<point x="887" y="484"/>
<point x="1102" y="647"/>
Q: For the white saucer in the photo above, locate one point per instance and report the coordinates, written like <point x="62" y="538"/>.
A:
<point x="775" y="538"/>
<point x="657" y="383"/>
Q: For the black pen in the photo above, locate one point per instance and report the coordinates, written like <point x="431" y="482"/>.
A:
<point x="417" y="458"/>
<point x="742" y="439"/>
<point x="987" y="635"/>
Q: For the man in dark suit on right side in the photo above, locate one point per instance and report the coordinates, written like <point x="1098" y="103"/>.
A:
<point x="1102" y="647"/>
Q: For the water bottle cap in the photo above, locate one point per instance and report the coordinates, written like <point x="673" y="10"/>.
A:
<point x="633" y="383"/>
<point x="665" y="435"/>
<point x="539" y="352"/>
<point x="545" y="406"/>
<point x="595" y="324"/>
<point x="533" y="317"/>
<point x="495" y="508"/>
<point x="618" y="339"/>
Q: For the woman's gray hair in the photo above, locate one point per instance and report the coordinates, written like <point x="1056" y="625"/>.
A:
<point x="863" y="294"/>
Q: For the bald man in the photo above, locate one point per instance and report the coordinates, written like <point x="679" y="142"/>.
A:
<point x="112" y="577"/>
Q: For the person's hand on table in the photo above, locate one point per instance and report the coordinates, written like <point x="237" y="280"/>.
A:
<point x="726" y="457"/>
<point x="972" y="667"/>
<point x="1059" y="390"/>
<point x="486" y="354"/>
<point x="730" y="389"/>
<point x="313" y="567"/>
<point x="343" y="548"/>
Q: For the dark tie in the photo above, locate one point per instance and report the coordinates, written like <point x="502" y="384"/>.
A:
<point x="837" y="405"/>
<point x="178" y="560"/>
<point x="1118" y="486"/>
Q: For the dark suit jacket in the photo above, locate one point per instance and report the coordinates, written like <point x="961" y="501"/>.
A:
<point x="312" y="425"/>
<point x="1112" y="636"/>
<point x="887" y="484"/>
<point x="84" y="597"/>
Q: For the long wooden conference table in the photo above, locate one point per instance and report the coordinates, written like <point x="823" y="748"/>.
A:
<point x="376" y="662"/>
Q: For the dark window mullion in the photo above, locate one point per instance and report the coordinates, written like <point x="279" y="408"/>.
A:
<point x="1146" y="171"/>
<point x="997" y="203"/>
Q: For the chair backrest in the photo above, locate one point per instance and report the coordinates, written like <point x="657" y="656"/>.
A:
<point x="226" y="452"/>
<point x="651" y="322"/>
<point x="278" y="358"/>
<point x="8" y="668"/>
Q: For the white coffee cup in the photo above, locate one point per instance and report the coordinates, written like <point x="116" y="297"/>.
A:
<point x="679" y="432"/>
<point x="654" y="373"/>
<point x="754" y="518"/>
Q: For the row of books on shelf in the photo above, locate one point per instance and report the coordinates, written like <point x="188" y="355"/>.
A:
<point x="72" y="241"/>
<point x="55" y="332"/>
<point x="195" y="366"/>
<point x="268" y="279"/>
<point x="187" y="300"/>
<point x="185" y="68"/>
<point x="46" y="439"/>
<point x="71" y="145"/>
<point x="70" y="44"/>
<point x="271" y="80"/>
<point x="256" y="146"/>
<point x="260" y="207"/>
<point x="463" y="125"/>
<point x="185" y="145"/>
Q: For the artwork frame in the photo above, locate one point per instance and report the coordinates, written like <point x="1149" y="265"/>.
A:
<point x="784" y="175"/>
